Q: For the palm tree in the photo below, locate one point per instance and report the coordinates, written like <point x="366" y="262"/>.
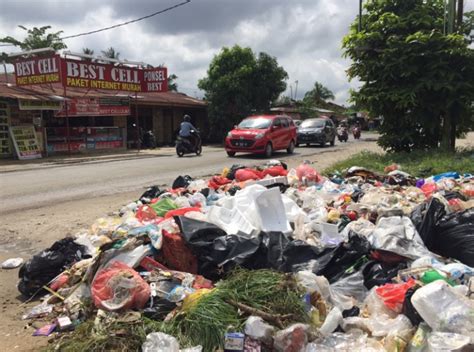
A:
<point x="111" y="53"/>
<point x="87" y="51"/>
<point x="172" y="85"/>
<point x="318" y="93"/>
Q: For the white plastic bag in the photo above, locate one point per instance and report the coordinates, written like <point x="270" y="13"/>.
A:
<point x="158" y="341"/>
<point x="332" y="321"/>
<point x="443" y="309"/>
<point x="12" y="263"/>
<point x="257" y="329"/>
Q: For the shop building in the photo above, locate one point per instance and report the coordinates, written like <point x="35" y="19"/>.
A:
<point x="95" y="119"/>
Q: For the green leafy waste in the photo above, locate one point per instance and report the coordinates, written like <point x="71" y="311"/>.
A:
<point x="207" y="321"/>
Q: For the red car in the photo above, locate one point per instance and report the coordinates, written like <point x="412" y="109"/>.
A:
<point x="262" y="134"/>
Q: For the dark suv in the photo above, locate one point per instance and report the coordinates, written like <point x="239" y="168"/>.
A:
<point x="318" y="131"/>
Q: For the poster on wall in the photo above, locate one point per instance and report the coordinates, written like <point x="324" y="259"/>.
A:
<point x="25" y="142"/>
<point x="95" y="107"/>
<point x="5" y="148"/>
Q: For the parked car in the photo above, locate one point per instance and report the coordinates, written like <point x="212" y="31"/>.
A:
<point x="318" y="130"/>
<point x="262" y="134"/>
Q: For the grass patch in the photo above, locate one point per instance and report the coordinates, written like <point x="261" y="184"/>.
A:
<point x="418" y="163"/>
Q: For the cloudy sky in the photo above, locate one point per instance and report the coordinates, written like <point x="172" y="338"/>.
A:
<point x="304" y="35"/>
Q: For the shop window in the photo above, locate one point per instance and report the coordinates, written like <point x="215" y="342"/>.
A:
<point x="104" y="121"/>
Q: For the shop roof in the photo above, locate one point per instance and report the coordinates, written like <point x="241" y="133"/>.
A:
<point x="52" y="91"/>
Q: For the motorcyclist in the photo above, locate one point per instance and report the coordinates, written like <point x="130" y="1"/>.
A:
<point x="185" y="130"/>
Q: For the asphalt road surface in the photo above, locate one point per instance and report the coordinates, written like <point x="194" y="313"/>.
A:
<point x="43" y="186"/>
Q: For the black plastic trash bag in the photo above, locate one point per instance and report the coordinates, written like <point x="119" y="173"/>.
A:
<point x="181" y="182"/>
<point x="151" y="193"/>
<point x="346" y="258"/>
<point x="408" y="310"/>
<point x="49" y="263"/>
<point x="424" y="217"/>
<point x="454" y="236"/>
<point x="299" y="255"/>
<point x="233" y="169"/>
<point x="378" y="273"/>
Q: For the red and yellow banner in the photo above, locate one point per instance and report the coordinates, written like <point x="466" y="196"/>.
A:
<point x="90" y="75"/>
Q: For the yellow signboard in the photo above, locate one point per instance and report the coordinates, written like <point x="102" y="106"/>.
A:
<point x="27" y="104"/>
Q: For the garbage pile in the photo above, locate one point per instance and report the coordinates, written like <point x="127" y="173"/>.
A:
<point x="268" y="259"/>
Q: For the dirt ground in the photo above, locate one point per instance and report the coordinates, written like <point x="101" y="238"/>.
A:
<point x="25" y="233"/>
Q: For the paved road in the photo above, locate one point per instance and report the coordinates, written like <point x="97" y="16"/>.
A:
<point x="40" y="187"/>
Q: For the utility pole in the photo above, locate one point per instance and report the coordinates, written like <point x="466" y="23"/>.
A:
<point x="360" y="16"/>
<point x="460" y="15"/>
<point x="296" y="89"/>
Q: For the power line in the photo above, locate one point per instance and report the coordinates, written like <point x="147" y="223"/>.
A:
<point x="128" y="22"/>
<point x="121" y="24"/>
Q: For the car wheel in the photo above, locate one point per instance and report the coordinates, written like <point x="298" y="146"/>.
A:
<point x="230" y="153"/>
<point x="297" y="144"/>
<point x="180" y="152"/>
<point x="333" y="142"/>
<point x="268" y="150"/>
<point x="199" y="150"/>
<point x="308" y="144"/>
<point x="291" y="148"/>
<point x="323" y="143"/>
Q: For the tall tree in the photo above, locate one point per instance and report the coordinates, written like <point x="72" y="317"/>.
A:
<point x="172" y="85"/>
<point x="318" y="93"/>
<point x="418" y="78"/>
<point x="87" y="51"/>
<point x="238" y="83"/>
<point x="36" y="38"/>
<point x="111" y="53"/>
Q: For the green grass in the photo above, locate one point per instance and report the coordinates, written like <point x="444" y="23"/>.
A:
<point x="418" y="164"/>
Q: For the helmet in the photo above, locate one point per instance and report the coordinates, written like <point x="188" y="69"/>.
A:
<point x="187" y="118"/>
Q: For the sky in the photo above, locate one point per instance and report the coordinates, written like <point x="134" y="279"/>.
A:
<point x="304" y="35"/>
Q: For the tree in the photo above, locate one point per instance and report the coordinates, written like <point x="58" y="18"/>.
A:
<point x="36" y="38"/>
<point x="239" y="83"/>
<point x="87" y="51"/>
<point x="418" y="78"/>
<point x="319" y="93"/>
<point x="111" y="53"/>
<point x="172" y="85"/>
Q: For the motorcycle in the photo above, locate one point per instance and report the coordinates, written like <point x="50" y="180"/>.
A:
<point x="149" y="140"/>
<point x="342" y="134"/>
<point x="356" y="132"/>
<point x="185" y="146"/>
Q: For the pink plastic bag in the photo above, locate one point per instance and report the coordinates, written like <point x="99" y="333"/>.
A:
<point x="119" y="287"/>
<point x="308" y="173"/>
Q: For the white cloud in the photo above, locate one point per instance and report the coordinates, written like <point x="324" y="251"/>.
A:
<point x="305" y="36"/>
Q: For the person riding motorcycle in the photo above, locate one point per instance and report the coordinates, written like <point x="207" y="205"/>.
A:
<point x="185" y="130"/>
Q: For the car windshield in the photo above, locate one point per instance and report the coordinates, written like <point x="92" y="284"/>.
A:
<point x="312" y="124"/>
<point x="257" y="123"/>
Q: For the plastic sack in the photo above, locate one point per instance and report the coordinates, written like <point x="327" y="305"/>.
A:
<point x="257" y="329"/>
<point x="447" y="341"/>
<point x="393" y="295"/>
<point x="162" y="206"/>
<point x="443" y="309"/>
<point x="176" y="253"/>
<point x="306" y="173"/>
<point x="378" y="273"/>
<point x="49" y="263"/>
<point x="181" y="182"/>
<point x="247" y="175"/>
<point x="425" y="217"/>
<point x="180" y="212"/>
<point x="291" y="339"/>
<point x="332" y="321"/>
<point x="275" y="171"/>
<point x="119" y="287"/>
<point x="398" y="234"/>
<point x="150" y="193"/>
<point x="146" y="214"/>
<point x="351" y="286"/>
<point x="158" y="341"/>
<point x="12" y="263"/>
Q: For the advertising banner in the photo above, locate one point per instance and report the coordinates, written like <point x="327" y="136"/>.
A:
<point x="90" y="75"/>
<point x="25" y="142"/>
<point x="37" y="70"/>
<point x="27" y="104"/>
<point x="95" y="107"/>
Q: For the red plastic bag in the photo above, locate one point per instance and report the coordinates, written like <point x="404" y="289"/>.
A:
<point x="275" y="171"/>
<point x="307" y="172"/>
<point x="428" y="189"/>
<point x="146" y="213"/>
<point x="177" y="255"/>
<point x="180" y="211"/>
<point x="217" y="181"/>
<point x="247" y="174"/>
<point x="393" y="295"/>
<point x="119" y="287"/>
